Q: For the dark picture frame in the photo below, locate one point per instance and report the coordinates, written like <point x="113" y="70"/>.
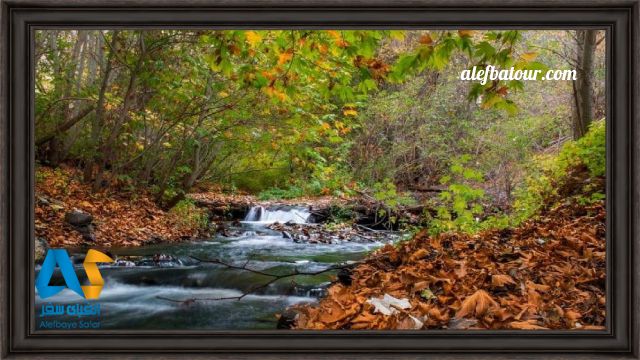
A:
<point x="20" y="19"/>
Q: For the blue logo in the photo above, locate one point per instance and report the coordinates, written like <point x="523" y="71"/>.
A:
<point x="60" y="258"/>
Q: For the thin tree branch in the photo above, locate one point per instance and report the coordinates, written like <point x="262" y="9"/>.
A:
<point x="274" y="278"/>
<point x="65" y="126"/>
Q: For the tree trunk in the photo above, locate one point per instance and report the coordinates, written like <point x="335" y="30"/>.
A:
<point x="583" y="85"/>
<point x="98" y="120"/>
<point x="65" y="125"/>
<point x="109" y="148"/>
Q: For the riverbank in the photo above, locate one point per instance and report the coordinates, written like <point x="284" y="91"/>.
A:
<point x="548" y="273"/>
<point x="69" y="213"/>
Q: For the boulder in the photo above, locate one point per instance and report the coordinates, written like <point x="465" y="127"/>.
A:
<point x="78" y="218"/>
<point x="344" y="276"/>
<point x="287" y="319"/>
<point x="40" y="250"/>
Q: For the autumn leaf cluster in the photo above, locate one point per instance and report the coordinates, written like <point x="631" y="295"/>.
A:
<point x="548" y="273"/>
<point x="120" y="218"/>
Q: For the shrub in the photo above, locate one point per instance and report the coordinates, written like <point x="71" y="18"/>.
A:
<point x="186" y="214"/>
<point x="461" y="203"/>
<point x="553" y="177"/>
<point x="575" y="173"/>
<point x="390" y="200"/>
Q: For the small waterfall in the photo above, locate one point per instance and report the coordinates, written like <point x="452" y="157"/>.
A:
<point x="281" y="214"/>
<point x="254" y="214"/>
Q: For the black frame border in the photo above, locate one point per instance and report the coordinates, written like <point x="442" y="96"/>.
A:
<point x="20" y="18"/>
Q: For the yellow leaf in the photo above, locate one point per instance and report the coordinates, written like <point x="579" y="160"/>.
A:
<point x="253" y="38"/>
<point x="529" y="56"/>
<point x="284" y="57"/>
<point x="350" y="112"/>
<point x="223" y="94"/>
<point x="334" y="34"/>
<point x="326" y="126"/>
<point x="273" y="92"/>
<point x="491" y="100"/>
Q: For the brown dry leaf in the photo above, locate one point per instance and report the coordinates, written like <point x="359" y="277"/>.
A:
<point x="538" y="287"/>
<point x="594" y="327"/>
<point x="526" y="325"/>
<point x="419" y="286"/>
<point x="534" y="298"/>
<point x="435" y="313"/>
<point x="421" y="253"/>
<point x="426" y="39"/>
<point x="477" y="304"/>
<point x="461" y="271"/>
<point x="364" y="317"/>
<point x="332" y="314"/>
<point x="501" y="280"/>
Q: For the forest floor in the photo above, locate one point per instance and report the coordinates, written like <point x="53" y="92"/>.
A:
<point x="118" y="217"/>
<point x="548" y="273"/>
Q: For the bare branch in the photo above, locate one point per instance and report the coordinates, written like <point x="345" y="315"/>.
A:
<point x="274" y="278"/>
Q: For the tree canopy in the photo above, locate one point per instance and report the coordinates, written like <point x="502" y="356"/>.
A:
<point x="313" y="111"/>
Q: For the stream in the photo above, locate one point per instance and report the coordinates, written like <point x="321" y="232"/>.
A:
<point x="140" y="285"/>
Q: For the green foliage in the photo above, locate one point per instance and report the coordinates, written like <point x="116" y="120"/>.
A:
<point x="549" y="179"/>
<point x="387" y="193"/>
<point x="389" y="199"/>
<point x="276" y="193"/>
<point x="187" y="214"/>
<point x="550" y="174"/>
<point x="251" y="108"/>
<point x="589" y="150"/>
<point x="461" y="204"/>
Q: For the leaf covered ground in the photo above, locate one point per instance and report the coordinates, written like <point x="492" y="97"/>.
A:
<point x="548" y="273"/>
<point x="120" y="218"/>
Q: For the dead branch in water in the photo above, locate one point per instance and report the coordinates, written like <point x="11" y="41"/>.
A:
<point x="274" y="278"/>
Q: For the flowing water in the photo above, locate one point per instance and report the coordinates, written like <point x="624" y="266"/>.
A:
<point x="139" y="287"/>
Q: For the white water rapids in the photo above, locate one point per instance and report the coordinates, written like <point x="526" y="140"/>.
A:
<point x="283" y="215"/>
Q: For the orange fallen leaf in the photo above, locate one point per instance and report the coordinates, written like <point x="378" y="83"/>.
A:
<point x="499" y="280"/>
<point x="477" y="304"/>
<point x="526" y="325"/>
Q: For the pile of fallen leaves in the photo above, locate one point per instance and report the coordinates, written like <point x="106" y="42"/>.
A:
<point x="120" y="218"/>
<point x="548" y="273"/>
